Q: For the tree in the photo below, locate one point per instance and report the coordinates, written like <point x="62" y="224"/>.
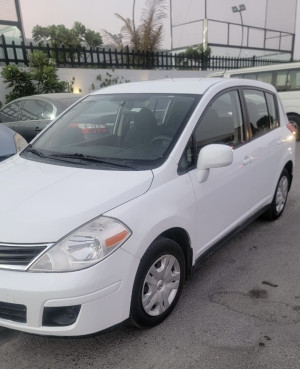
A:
<point x="147" y="37"/>
<point x="19" y="80"/>
<point x="77" y="36"/>
<point x="41" y="78"/>
<point x="44" y="73"/>
<point x="191" y="56"/>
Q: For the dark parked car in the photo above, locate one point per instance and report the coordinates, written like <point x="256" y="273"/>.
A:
<point x="30" y="115"/>
<point x="10" y="142"/>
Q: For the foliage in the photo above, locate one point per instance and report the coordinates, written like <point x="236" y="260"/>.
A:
<point x="77" y="36"/>
<point x="70" y="86"/>
<point x="40" y="78"/>
<point x="147" y="37"/>
<point x="44" y="73"/>
<point x="108" y="80"/>
<point x="19" y="80"/>
<point x="192" y="55"/>
<point x="73" y="39"/>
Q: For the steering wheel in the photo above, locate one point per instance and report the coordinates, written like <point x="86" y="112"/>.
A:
<point x="163" y="139"/>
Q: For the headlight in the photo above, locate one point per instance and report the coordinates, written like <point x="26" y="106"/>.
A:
<point x="84" y="247"/>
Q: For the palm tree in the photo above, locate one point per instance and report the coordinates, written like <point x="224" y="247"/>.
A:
<point x="148" y="36"/>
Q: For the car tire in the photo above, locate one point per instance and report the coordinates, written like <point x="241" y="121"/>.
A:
<point x="280" y="197"/>
<point x="295" y="120"/>
<point x="158" y="283"/>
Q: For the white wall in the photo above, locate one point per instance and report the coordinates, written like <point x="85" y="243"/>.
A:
<point x="84" y="78"/>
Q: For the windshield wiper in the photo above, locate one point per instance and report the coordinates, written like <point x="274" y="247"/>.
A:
<point x="36" y="152"/>
<point x="44" y="156"/>
<point x="122" y="163"/>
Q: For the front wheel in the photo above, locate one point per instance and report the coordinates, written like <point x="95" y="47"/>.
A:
<point x="158" y="283"/>
<point x="280" y="198"/>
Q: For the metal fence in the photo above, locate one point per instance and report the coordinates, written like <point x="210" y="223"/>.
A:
<point x="12" y="53"/>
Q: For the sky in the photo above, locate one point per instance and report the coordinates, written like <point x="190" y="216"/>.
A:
<point x="94" y="14"/>
<point x="99" y="14"/>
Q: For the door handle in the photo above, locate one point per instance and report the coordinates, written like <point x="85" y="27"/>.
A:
<point x="248" y="160"/>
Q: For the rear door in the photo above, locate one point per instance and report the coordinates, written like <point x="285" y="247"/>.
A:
<point x="266" y="142"/>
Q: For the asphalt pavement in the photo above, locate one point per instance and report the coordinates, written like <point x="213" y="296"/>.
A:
<point x="240" y="309"/>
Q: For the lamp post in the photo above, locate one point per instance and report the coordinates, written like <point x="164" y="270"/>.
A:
<point x="205" y="28"/>
<point x="240" y="9"/>
<point x="133" y="8"/>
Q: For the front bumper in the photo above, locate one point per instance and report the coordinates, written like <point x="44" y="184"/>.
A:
<point x="103" y="293"/>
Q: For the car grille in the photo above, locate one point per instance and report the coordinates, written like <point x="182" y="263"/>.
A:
<point x="16" y="256"/>
<point x="14" y="312"/>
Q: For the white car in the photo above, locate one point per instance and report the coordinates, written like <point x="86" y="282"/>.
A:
<point x="96" y="230"/>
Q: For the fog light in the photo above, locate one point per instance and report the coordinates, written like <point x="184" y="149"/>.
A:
<point x="60" y="316"/>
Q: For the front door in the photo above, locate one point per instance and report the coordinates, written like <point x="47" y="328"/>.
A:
<point x="230" y="194"/>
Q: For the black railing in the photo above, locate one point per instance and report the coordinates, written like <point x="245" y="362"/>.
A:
<point x="127" y="59"/>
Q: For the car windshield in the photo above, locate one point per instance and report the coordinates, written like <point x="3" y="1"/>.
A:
<point x="117" y="130"/>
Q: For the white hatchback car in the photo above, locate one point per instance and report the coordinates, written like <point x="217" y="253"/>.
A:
<point x="96" y="230"/>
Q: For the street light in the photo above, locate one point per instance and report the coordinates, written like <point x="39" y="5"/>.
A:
<point x="240" y="9"/>
<point x="133" y="8"/>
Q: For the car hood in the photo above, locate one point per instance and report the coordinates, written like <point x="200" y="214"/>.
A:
<point x="42" y="202"/>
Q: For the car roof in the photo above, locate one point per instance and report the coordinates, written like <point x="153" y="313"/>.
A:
<point x="169" y="85"/>
<point x="61" y="100"/>
<point x="55" y="96"/>
<point x="180" y="85"/>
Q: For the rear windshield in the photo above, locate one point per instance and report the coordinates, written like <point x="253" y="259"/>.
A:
<point x="137" y="130"/>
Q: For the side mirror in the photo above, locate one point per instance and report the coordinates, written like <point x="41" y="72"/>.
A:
<point x="213" y="156"/>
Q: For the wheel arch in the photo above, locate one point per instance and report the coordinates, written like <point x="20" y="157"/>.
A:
<point x="291" y="113"/>
<point x="289" y="167"/>
<point x="182" y="238"/>
<point x="295" y="118"/>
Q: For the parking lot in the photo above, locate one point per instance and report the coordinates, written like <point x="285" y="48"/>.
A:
<point x="240" y="309"/>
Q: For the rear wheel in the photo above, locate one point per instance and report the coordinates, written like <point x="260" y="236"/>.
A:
<point x="158" y="283"/>
<point x="279" y="200"/>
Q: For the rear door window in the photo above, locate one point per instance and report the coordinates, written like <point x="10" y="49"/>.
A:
<point x="33" y="110"/>
<point x="262" y="112"/>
